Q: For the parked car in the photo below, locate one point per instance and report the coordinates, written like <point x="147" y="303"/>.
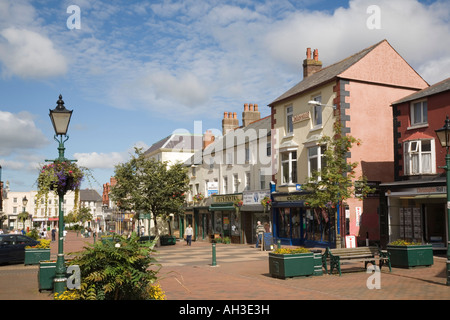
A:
<point x="12" y="247"/>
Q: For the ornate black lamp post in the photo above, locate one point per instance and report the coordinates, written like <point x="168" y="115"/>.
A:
<point x="444" y="137"/>
<point x="60" y="117"/>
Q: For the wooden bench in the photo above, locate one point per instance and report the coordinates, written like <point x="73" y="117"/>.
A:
<point x="363" y="254"/>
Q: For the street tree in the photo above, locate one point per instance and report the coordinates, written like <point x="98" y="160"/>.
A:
<point x="336" y="181"/>
<point x="148" y="186"/>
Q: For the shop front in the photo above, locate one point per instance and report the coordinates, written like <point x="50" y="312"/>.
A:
<point x="416" y="212"/>
<point x="226" y="216"/>
<point x="296" y="224"/>
<point x="252" y="212"/>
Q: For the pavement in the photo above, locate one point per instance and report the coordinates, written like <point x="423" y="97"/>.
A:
<point x="241" y="273"/>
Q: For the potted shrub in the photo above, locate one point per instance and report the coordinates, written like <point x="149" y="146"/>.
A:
<point x="286" y="262"/>
<point x="37" y="253"/>
<point x="410" y="254"/>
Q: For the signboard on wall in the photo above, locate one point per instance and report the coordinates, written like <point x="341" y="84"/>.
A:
<point x="254" y="197"/>
<point x="350" y="241"/>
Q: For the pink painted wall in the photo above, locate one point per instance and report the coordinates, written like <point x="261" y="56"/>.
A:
<point x="377" y="80"/>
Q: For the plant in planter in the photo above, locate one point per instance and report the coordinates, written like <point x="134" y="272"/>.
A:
<point x="410" y="254"/>
<point x="287" y="262"/>
<point x="39" y="252"/>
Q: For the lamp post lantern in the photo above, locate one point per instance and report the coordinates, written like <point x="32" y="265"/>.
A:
<point x="60" y="117"/>
<point x="444" y="137"/>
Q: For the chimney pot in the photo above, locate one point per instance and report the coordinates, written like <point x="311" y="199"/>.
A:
<point x="251" y="106"/>
<point x="234" y="115"/>
<point x="225" y="115"/>
<point x="316" y="54"/>
<point x="256" y="107"/>
<point x="245" y="106"/>
<point x="308" y="53"/>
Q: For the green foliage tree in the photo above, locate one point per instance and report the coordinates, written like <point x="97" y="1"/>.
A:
<point x="116" y="269"/>
<point x="148" y="186"/>
<point x="336" y="181"/>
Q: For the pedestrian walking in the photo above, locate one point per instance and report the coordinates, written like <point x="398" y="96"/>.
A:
<point x="53" y="234"/>
<point x="189" y="232"/>
<point x="259" y="233"/>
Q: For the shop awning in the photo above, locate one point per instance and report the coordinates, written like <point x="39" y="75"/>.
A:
<point x="222" y="208"/>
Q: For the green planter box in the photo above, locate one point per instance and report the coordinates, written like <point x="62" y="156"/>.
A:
<point x="46" y="274"/>
<point x="291" y="265"/>
<point x="168" y="240"/>
<point x="411" y="256"/>
<point x="33" y="256"/>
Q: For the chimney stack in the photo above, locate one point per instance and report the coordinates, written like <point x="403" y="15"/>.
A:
<point x="311" y="66"/>
<point x="208" y="138"/>
<point x="229" y="122"/>
<point x="250" y="114"/>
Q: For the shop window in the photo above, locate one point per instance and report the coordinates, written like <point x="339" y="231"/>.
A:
<point x="419" y="157"/>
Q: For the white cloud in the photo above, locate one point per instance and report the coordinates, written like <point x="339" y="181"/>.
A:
<point x="19" y="132"/>
<point x="29" y="54"/>
<point x="96" y="160"/>
<point x="107" y="160"/>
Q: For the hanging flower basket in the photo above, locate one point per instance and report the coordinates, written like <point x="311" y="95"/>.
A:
<point x="267" y="203"/>
<point x="60" y="177"/>
<point x="238" y="204"/>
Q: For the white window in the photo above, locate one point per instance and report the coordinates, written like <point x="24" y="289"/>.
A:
<point x="235" y="183"/>
<point x="419" y="113"/>
<point x="247" y="181"/>
<point x="262" y="179"/>
<point x="419" y="157"/>
<point x="317" y="113"/>
<point x="289" y="167"/>
<point x="289" y="124"/>
<point x="247" y="154"/>
<point x="315" y="159"/>
<point x="225" y="184"/>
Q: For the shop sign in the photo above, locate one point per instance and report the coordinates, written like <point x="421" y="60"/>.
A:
<point x="255" y="197"/>
<point x="432" y="189"/>
<point x="291" y="197"/>
<point x="226" y="198"/>
<point x="300" y="117"/>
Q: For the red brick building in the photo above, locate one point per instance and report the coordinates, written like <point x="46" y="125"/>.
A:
<point x="414" y="203"/>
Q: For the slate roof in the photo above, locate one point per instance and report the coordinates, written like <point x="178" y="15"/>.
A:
<point x="439" y="87"/>
<point x="325" y="74"/>
<point x="89" y="195"/>
<point x="235" y="135"/>
<point x="178" y="141"/>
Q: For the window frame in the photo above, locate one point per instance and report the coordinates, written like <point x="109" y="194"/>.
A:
<point x="423" y="113"/>
<point x="292" y="166"/>
<point x="409" y="154"/>
<point x="289" y="119"/>
<point x="320" y="158"/>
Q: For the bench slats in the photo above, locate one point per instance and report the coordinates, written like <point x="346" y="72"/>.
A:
<point x="363" y="254"/>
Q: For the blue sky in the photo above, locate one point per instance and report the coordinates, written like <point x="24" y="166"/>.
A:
<point x="136" y="71"/>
